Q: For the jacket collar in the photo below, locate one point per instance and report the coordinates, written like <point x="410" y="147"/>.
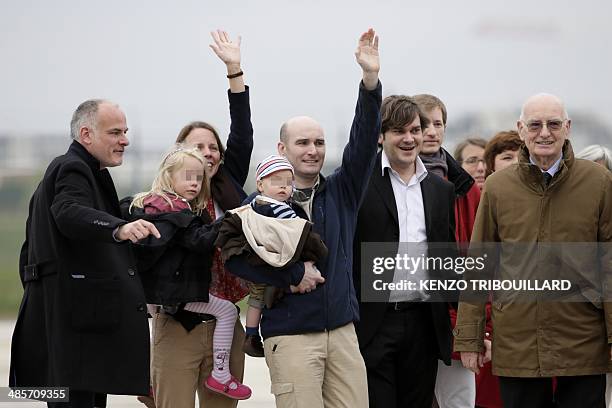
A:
<point x="382" y="183"/>
<point x="320" y="187"/>
<point x="430" y="208"/>
<point x="459" y="177"/>
<point x="420" y="170"/>
<point x="532" y="174"/>
<point x="553" y="169"/>
<point x="80" y="151"/>
<point x="102" y="175"/>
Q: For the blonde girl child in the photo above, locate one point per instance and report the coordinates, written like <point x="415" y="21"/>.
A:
<point x="177" y="267"/>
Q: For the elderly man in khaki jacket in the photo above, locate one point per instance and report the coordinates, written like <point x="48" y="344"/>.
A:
<point x="548" y="197"/>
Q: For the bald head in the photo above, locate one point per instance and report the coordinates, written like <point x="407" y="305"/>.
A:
<point x="298" y="125"/>
<point x="544" y="127"/>
<point x="302" y="142"/>
<point x="541" y="101"/>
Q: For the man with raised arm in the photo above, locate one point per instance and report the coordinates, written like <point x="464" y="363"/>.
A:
<point x="309" y="338"/>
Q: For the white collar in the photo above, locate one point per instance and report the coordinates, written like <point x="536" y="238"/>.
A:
<point x="553" y="169"/>
<point x="420" y="170"/>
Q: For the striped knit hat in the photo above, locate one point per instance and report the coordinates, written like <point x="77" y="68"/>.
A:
<point x="272" y="164"/>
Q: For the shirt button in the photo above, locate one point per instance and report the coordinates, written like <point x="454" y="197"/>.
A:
<point x="141" y="307"/>
<point x="131" y="272"/>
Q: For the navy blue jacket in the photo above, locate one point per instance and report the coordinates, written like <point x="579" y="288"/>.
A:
<point x="334" y="214"/>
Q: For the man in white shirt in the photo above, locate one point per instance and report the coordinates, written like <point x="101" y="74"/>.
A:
<point x="402" y="337"/>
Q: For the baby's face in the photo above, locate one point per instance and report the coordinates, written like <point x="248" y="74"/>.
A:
<point x="278" y="185"/>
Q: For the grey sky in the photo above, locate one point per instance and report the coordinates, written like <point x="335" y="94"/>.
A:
<point x="152" y="57"/>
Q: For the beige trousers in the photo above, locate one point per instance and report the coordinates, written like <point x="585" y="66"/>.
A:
<point x="181" y="361"/>
<point x="317" y="370"/>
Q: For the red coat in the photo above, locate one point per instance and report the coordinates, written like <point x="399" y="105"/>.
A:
<point x="465" y="213"/>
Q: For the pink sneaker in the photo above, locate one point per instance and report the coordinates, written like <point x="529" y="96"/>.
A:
<point x="231" y="389"/>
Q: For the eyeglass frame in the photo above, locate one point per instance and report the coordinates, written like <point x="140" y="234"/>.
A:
<point x="544" y="124"/>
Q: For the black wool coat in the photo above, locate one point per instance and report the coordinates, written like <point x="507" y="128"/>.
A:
<point x="175" y="268"/>
<point x="83" y="320"/>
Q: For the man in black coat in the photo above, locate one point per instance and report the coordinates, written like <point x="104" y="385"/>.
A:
<point x="83" y="320"/>
<point x="403" y="333"/>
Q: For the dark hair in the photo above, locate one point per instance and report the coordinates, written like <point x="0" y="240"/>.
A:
<point x="502" y="141"/>
<point x="429" y="102"/>
<point x="398" y="111"/>
<point x="186" y="130"/>
<point x="476" y="141"/>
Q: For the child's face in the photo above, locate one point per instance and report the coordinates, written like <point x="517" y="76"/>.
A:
<point x="278" y="185"/>
<point x="187" y="180"/>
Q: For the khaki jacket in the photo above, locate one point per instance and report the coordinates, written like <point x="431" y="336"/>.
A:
<point x="544" y="338"/>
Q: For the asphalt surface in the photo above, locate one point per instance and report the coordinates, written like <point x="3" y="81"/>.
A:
<point x="256" y="376"/>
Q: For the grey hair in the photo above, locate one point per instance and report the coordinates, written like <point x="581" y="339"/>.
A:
<point x="84" y="116"/>
<point x="559" y="101"/>
<point x="597" y="152"/>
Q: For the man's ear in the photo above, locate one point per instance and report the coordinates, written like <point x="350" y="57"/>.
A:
<point x="519" y="129"/>
<point x="85" y="135"/>
<point x="280" y="147"/>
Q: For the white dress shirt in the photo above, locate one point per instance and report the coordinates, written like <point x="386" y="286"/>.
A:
<point x="412" y="230"/>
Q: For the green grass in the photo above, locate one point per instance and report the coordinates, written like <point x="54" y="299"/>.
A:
<point x="12" y="233"/>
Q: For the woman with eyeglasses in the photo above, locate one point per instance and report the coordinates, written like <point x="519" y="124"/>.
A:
<point x="470" y="155"/>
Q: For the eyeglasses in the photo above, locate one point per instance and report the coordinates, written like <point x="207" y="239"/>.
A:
<point x="553" y="125"/>
<point x="473" y="161"/>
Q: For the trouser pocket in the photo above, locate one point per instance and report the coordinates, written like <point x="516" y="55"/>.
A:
<point x="284" y="395"/>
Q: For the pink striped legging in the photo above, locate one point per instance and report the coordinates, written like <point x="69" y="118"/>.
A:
<point x="225" y="312"/>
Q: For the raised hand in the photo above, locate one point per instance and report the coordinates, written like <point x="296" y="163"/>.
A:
<point x="227" y="50"/>
<point x="367" y="52"/>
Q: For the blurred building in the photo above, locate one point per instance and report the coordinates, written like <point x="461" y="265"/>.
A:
<point x="27" y="155"/>
<point x="587" y="129"/>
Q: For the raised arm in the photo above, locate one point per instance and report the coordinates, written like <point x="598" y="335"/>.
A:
<point x="360" y="152"/>
<point x="368" y="59"/>
<point x="229" y="52"/>
<point x="240" y="142"/>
